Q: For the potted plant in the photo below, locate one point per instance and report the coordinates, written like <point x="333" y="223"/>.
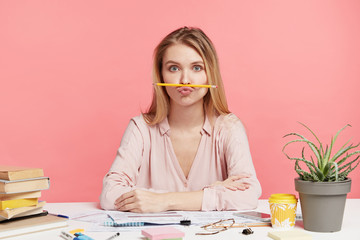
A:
<point x="323" y="181"/>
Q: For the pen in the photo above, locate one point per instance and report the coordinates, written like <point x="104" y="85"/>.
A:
<point x="184" y="85"/>
<point x="58" y="215"/>
<point x="113" y="236"/>
<point x="111" y="217"/>
<point x="66" y="235"/>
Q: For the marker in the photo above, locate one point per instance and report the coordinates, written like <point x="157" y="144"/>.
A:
<point x="66" y="235"/>
<point x="113" y="236"/>
<point x="59" y="215"/>
<point x="80" y="236"/>
<point x="184" y="85"/>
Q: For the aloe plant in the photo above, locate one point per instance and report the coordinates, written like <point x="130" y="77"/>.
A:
<point x="325" y="167"/>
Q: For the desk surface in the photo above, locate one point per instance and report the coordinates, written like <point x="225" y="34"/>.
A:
<point x="350" y="227"/>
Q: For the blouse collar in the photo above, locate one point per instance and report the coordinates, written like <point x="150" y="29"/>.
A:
<point x="165" y="127"/>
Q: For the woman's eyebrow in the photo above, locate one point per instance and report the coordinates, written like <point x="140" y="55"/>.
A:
<point x="198" y="62"/>
<point x="171" y="62"/>
<point x="193" y="63"/>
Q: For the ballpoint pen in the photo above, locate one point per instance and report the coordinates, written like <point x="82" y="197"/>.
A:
<point x="66" y="235"/>
<point x="113" y="236"/>
<point x="58" y="215"/>
<point x="111" y="217"/>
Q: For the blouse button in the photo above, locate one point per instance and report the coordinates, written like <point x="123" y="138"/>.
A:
<point x="185" y="184"/>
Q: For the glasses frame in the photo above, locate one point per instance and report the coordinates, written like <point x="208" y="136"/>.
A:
<point x="217" y="227"/>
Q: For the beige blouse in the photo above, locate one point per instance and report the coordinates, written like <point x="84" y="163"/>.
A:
<point x="146" y="160"/>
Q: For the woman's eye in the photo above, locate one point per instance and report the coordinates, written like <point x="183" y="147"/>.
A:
<point x="174" y="68"/>
<point x="197" y="68"/>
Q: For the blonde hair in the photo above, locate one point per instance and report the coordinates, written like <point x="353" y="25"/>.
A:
<point x="214" y="101"/>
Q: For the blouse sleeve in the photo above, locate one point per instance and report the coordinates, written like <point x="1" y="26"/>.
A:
<point x="122" y="175"/>
<point x="238" y="161"/>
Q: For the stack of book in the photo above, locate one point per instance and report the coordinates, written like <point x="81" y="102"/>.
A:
<point x="21" y="212"/>
<point x="20" y="190"/>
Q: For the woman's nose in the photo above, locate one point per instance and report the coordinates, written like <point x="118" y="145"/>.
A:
<point x="185" y="78"/>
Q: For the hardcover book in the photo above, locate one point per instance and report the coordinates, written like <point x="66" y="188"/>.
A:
<point x="30" y="225"/>
<point x="9" y="196"/>
<point x="17" y="173"/>
<point x="17" y="203"/>
<point x="22" y="211"/>
<point x="24" y="185"/>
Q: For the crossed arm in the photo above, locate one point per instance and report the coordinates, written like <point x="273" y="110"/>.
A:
<point x="147" y="201"/>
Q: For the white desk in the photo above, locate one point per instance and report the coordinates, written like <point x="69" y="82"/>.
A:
<point x="350" y="228"/>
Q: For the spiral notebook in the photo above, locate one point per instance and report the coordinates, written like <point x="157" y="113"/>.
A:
<point x="111" y="222"/>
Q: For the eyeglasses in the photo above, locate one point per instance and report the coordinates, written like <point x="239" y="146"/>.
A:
<point x="216" y="227"/>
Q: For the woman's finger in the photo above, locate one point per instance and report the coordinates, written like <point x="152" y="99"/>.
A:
<point x="125" y="201"/>
<point x="125" y="196"/>
<point x="238" y="177"/>
<point x="237" y="186"/>
<point x="127" y="207"/>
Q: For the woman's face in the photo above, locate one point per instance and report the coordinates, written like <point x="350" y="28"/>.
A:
<point x="183" y="65"/>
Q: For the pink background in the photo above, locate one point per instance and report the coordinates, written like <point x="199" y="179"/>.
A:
<point x="74" y="72"/>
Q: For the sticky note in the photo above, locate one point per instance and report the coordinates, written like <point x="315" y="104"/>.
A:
<point x="79" y="230"/>
<point x="159" y="233"/>
<point x="290" y="235"/>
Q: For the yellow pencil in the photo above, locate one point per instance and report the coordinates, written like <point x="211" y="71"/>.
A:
<point x="185" y="85"/>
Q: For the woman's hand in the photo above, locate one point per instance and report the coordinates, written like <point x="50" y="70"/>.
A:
<point x="141" y="201"/>
<point x="234" y="183"/>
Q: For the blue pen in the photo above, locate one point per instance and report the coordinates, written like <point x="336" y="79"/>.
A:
<point x="59" y="215"/>
<point x="111" y="217"/>
<point x="80" y="236"/>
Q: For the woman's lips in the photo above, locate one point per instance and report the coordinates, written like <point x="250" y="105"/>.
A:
<point x="185" y="90"/>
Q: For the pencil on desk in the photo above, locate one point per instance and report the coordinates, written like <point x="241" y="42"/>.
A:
<point x="184" y="85"/>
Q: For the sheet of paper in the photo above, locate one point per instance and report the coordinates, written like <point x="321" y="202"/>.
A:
<point x="156" y="218"/>
<point x="96" y="216"/>
<point x="99" y="217"/>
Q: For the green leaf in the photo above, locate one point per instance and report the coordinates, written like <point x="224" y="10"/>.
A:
<point x="314" y="170"/>
<point x="336" y="171"/>
<point x="340" y="162"/>
<point x="347" y="171"/>
<point x="320" y="144"/>
<point x="343" y="151"/>
<point x="310" y="144"/>
<point x="348" y="164"/>
<point x="333" y="140"/>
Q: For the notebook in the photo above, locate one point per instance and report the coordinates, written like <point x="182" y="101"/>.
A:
<point x="29" y="225"/>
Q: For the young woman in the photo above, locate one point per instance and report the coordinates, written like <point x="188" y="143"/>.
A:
<point x="188" y="152"/>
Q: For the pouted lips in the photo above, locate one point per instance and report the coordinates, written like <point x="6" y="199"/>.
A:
<point x="185" y="90"/>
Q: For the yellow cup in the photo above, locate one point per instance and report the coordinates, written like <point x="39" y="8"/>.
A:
<point x="283" y="210"/>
